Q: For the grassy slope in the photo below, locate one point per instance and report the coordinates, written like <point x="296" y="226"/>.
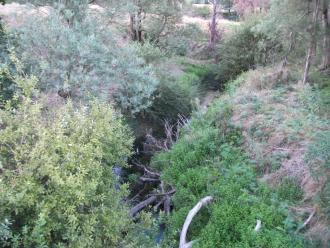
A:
<point x="261" y="128"/>
<point x="282" y="121"/>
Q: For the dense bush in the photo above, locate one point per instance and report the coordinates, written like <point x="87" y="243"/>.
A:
<point x="208" y="160"/>
<point x="84" y="60"/>
<point x="181" y="39"/>
<point x="176" y="95"/>
<point x="244" y="50"/>
<point x="206" y="75"/>
<point x="203" y="12"/>
<point x="7" y="85"/>
<point x="170" y="100"/>
<point x="57" y="188"/>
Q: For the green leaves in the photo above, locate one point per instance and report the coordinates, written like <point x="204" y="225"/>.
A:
<point x="208" y="160"/>
<point x="57" y="184"/>
<point x="85" y="60"/>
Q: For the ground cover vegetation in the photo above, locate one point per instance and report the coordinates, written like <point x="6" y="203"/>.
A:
<point x="143" y="123"/>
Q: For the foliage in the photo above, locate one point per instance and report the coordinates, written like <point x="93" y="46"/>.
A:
<point x="71" y="10"/>
<point x="181" y="39"/>
<point x="57" y="187"/>
<point x="246" y="7"/>
<point x="289" y="190"/>
<point x="83" y="60"/>
<point x="7" y="85"/>
<point x="149" y="52"/>
<point x="206" y="74"/>
<point x="203" y="12"/>
<point x="171" y="99"/>
<point x="286" y="21"/>
<point x="208" y="160"/>
<point x="244" y="50"/>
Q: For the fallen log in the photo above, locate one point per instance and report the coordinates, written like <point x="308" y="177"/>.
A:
<point x="203" y="202"/>
<point x="149" y="180"/>
<point x="171" y="192"/>
<point x="137" y="208"/>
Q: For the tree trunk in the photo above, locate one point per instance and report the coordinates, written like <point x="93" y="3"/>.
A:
<point x="137" y="208"/>
<point x="135" y="25"/>
<point x="326" y="39"/>
<point x="312" y="43"/>
<point x="131" y="26"/>
<point x="214" y="33"/>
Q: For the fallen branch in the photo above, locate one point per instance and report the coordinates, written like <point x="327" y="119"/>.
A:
<point x="157" y="206"/>
<point x="145" y="169"/>
<point x="203" y="202"/>
<point x="171" y="192"/>
<point x="137" y="195"/>
<point x="137" y="208"/>
<point x="149" y="180"/>
<point x="307" y="221"/>
<point x="167" y="205"/>
<point x="258" y="226"/>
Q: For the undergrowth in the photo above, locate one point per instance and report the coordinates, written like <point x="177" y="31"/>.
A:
<point x="209" y="159"/>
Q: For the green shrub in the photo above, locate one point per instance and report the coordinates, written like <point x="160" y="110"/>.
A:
<point x="174" y="96"/>
<point x="206" y="74"/>
<point x="149" y="52"/>
<point x="7" y="85"/>
<point x="180" y="39"/>
<point x="85" y="60"/>
<point x="203" y="12"/>
<point x="244" y="50"/>
<point x="208" y="160"/>
<point x="170" y="100"/>
<point x="289" y="190"/>
<point x="57" y="188"/>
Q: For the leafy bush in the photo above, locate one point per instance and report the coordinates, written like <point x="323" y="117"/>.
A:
<point x="206" y="74"/>
<point x="7" y="85"/>
<point x="180" y="39"/>
<point x="175" y="95"/>
<point x="171" y="99"/>
<point x="203" y="12"/>
<point x="57" y="187"/>
<point x="289" y="190"/>
<point x="83" y="60"/>
<point x="208" y="160"/>
<point x="149" y="52"/>
<point x="244" y="50"/>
